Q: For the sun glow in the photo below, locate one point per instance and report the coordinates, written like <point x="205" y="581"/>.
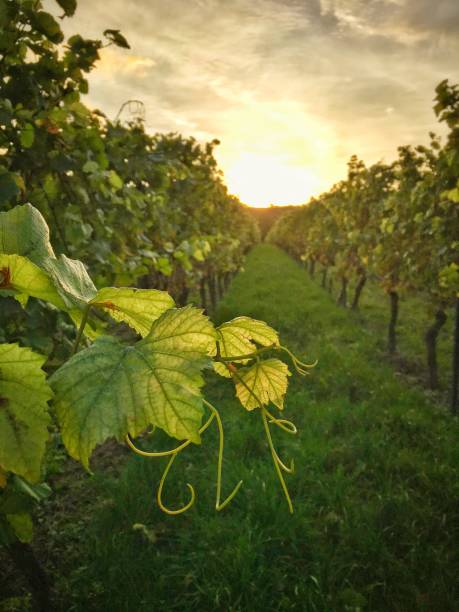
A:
<point x="260" y="180"/>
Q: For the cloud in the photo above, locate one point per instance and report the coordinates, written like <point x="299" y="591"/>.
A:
<point x="411" y="20"/>
<point x="309" y="82"/>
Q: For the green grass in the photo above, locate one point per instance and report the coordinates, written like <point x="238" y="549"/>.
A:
<point x="375" y="489"/>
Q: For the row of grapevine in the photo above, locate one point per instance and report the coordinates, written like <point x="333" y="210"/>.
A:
<point x="397" y="223"/>
<point x="152" y="220"/>
<point x="116" y="385"/>
<point x="137" y="208"/>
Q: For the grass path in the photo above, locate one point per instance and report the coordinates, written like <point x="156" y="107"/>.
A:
<point x="376" y="521"/>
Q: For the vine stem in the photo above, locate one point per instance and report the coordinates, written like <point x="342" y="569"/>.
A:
<point x="299" y="366"/>
<point x="247" y="356"/>
<point x="278" y="463"/>
<point x="167" y="453"/>
<point x="84" y="320"/>
<point x="276" y="460"/>
<point x="220" y="506"/>
<point x="283" y="424"/>
<point x="160" y="491"/>
<point x="172" y="454"/>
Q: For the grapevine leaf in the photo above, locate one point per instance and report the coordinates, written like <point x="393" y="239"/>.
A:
<point x="27" y="136"/>
<point x="37" y="492"/>
<point x="237" y="337"/>
<point x="72" y="281"/>
<point x="24" y="417"/>
<point x="8" y="187"/>
<point x="267" y="380"/>
<point x="258" y="331"/>
<point x="68" y="6"/>
<point x="47" y="25"/>
<point x="115" y="180"/>
<point x="111" y="389"/>
<point x="118" y="39"/>
<point x="137" y="307"/>
<point x="22" y="526"/>
<point x="21" y="278"/>
<point x="23" y="231"/>
<point x="221" y="369"/>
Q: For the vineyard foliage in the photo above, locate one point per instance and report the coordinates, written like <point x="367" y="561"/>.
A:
<point x="397" y="223"/>
<point x="134" y="207"/>
<point x="119" y="386"/>
<point x="119" y="352"/>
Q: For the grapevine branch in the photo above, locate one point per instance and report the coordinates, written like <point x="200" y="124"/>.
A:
<point x="267" y="418"/>
<point x="172" y="454"/>
<point x="278" y="463"/>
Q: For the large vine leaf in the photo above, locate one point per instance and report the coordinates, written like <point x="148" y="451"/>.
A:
<point x="22" y="279"/>
<point x="24" y="417"/>
<point x="72" y="281"/>
<point x="267" y="380"/>
<point x="137" y="307"/>
<point x="111" y="389"/>
<point x="23" y="231"/>
<point x="237" y="337"/>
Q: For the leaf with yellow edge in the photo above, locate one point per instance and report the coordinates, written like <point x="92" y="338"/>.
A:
<point x="221" y="369"/>
<point x="238" y="337"/>
<point x="136" y="307"/>
<point x="21" y="278"/>
<point x="267" y="380"/>
<point x="24" y="417"/>
<point x="111" y="389"/>
<point x="23" y="231"/>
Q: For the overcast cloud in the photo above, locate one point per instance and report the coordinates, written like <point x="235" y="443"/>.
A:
<point x="304" y="82"/>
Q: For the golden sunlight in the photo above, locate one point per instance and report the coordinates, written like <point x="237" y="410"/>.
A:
<point x="260" y="180"/>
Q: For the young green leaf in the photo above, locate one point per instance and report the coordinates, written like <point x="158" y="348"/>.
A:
<point x="22" y="526"/>
<point x="27" y="136"/>
<point x="24" y="417"/>
<point x="265" y="380"/>
<point x="137" y="307"/>
<point x="115" y="181"/>
<point x="237" y="337"/>
<point x="72" y="281"/>
<point x="23" y="231"/>
<point x="111" y="389"/>
<point x="22" y="279"/>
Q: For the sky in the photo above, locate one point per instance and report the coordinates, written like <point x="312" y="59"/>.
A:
<point x="291" y="88"/>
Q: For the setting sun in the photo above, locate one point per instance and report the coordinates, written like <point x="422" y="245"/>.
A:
<point x="260" y="180"/>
